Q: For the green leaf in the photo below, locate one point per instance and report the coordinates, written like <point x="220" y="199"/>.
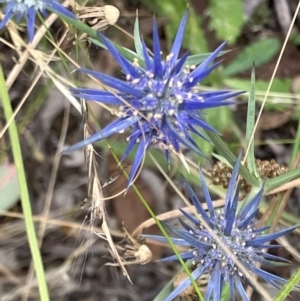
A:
<point x="282" y="179"/>
<point x="259" y="52"/>
<point x="220" y="118"/>
<point x="227" y="18"/>
<point x="194" y="38"/>
<point x="296" y="145"/>
<point x="223" y="160"/>
<point x="137" y="38"/>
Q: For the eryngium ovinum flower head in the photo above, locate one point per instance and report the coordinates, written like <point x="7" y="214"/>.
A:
<point x="159" y="100"/>
<point x="29" y="9"/>
<point x="237" y="231"/>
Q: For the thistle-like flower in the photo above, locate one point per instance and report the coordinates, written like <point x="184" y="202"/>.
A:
<point x="236" y="231"/>
<point x="29" y="9"/>
<point x="159" y="100"/>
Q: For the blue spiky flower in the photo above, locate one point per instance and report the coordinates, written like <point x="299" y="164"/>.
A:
<point x="159" y="100"/>
<point x="237" y="231"/>
<point x="29" y="9"/>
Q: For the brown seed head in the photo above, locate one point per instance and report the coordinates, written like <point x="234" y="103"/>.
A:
<point x="221" y="173"/>
<point x="111" y="14"/>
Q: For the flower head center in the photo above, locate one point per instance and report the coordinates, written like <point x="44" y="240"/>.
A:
<point x="21" y="6"/>
<point x="236" y="242"/>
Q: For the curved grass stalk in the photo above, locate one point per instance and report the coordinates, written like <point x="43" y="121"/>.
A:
<point x="25" y="201"/>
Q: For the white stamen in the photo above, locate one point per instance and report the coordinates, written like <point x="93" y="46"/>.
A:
<point x="157" y="116"/>
<point x="169" y="57"/>
<point x="135" y="81"/>
<point x="171" y="112"/>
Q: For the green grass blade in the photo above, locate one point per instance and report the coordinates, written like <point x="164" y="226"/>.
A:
<point x="259" y="52"/>
<point x="288" y="287"/>
<point x="227" y="19"/>
<point x="296" y="146"/>
<point x="250" y="127"/>
<point x="25" y="201"/>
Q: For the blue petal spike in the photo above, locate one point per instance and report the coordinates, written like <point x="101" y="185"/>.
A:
<point x="185" y="283"/>
<point x="147" y="58"/>
<point x="274" y="258"/>
<point x="185" y="225"/>
<point x="177" y="136"/>
<point x="248" y="220"/>
<point x="29" y="9"/>
<point x="125" y="65"/>
<point x="230" y="216"/>
<point x="204" y="65"/>
<point x="180" y="64"/>
<point x="114" y="83"/>
<point x="240" y="289"/>
<point x="60" y="9"/>
<point x="158" y="70"/>
<point x="131" y="144"/>
<point x="113" y="128"/>
<point x="207" y="197"/>
<point x="8" y="15"/>
<point x="196" y="203"/>
<point x="231" y="287"/>
<point x="184" y="256"/>
<point x="195" y="131"/>
<point x="268" y="277"/>
<point x="269" y="237"/>
<point x="217" y="98"/>
<point x="192" y="105"/>
<point x="232" y="186"/>
<point x="178" y="40"/>
<point x="138" y="159"/>
<point x="202" y="124"/>
<point x="190" y="217"/>
<point x="30" y="22"/>
<point x="214" y="285"/>
<point x="96" y="95"/>
<point x="176" y="241"/>
<point x="188" y="237"/>
<point x="191" y="81"/>
<point x="253" y="205"/>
